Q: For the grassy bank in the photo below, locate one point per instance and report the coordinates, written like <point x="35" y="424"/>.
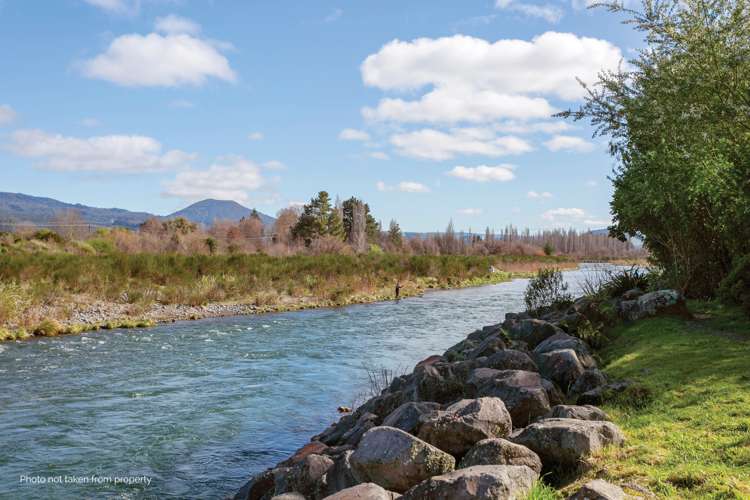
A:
<point x="688" y="435"/>
<point x="58" y="287"/>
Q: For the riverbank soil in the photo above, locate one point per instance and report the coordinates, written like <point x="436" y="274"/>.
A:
<point x="688" y="428"/>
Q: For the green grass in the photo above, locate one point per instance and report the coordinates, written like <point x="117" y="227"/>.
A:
<point x="692" y="439"/>
<point x="542" y="491"/>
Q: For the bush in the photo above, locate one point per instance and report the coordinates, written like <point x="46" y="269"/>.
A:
<point x="605" y="283"/>
<point x="48" y="328"/>
<point x="47" y="235"/>
<point x="547" y="289"/>
<point x="735" y="288"/>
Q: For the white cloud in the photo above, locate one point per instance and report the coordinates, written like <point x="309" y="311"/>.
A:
<point x="160" y="60"/>
<point x="569" y="143"/>
<point x="549" y="13"/>
<point x="456" y="104"/>
<point x="110" y="153"/>
<point x="404" y="187"/>
<point x="255" y="136"/>
<point x="7" y="114"/>
<point x="518" y="127"/>
<point x="350" y="134"/>
<point x="484" y="173"/>
<point x="534" y="195"/>
<point x="597" y="222"/>
<point x="115" y="6"/>
<point x="230" y="178"/>
<point x="470" y="211"/>
<point x="274" y="165"/>
<point x="548" y="64"/>
<point x="433" y="144"/>
<point x="379" y="155"/>
<point x="174" y="25"/>
<point x="564" y="214"/>
<point x="335" y="15"/>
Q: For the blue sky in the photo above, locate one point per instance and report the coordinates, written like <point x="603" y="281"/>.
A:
<point x="428" y="110"/>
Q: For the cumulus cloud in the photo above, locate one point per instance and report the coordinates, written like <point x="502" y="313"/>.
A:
<point x="169" y="58"/>
<point x="255" y="136"/>
<point x="534" y="195"/>
<point x="404" y="187"/>
<point x="484" y="173"/>
<point x="519" y="127"/>
<point x="115" y="6"/>
<point x="470" y="211"/>
<point x="350" y="134"/>
<point x="433" y="144"/>
<point x="379" y="155"/>
<point x="274" y="165"/>
<point x="564" y="213"/>
<point x="230" y="178"/>
<point x="7" y="114"/>
<point x="569" y="143"/>
<point x="456" y="104"/>
<point x="548" y="64"/>
<point x="110" y="153"/>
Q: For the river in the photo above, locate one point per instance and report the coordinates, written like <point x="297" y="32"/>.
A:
<point x="197" y="407"/>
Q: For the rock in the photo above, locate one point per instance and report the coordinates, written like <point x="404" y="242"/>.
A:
<point x="437" y="383"/>
<point x="588" y="380"/>
<point x="497" y="451"/>
<point x="397" y="460"/>
<point x="384" y="404"/>
<point x="651" y="304"/>
<point x="523" y="392"/>
<point x="510" y="359"/>
<point x="289" y="496"/>
<point x="481" y="482"/>
<point x="407" y="416"/>
<point x="603" y="393"/>
<point x="364" y="491"/>
<point x="341" y="476"/>
<point x="465" y="423"/>
<point x="632" y="294"/>
<point x="565" y="441"/>
<point x="585" y="412"/>
<point x="561" y="366"/>
<point x="308" y="477"/>
<point x="554" y="394"/>
<point x="430" y="360"/>
<point x="532" y="331"/>
<point x="366" y="422"/>
<point x="598" y="489"/>
<point x="488" y="347"/>
<point x="314" y="447"/>
<point x="259" y="487"/>
<point x="564" y="341"/>
<point x="332" y="435"/>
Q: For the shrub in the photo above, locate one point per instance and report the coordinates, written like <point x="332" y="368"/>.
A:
<point x="13" y="302"/>
<point x="548" y="248"/>
<point x="542" y="491"/>
<point x="606" y="283"/>
<point x="547" y="289"/>
<point x="47" y="235"/>
<point x="735" y="288"/>
<point x="48" y="328"/>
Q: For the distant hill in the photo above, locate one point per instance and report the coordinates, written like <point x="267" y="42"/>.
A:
<point x="208" y="211"/>
<point x="17" y="207"/>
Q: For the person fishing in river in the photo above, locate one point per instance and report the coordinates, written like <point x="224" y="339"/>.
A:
<point x="398" y="289"/>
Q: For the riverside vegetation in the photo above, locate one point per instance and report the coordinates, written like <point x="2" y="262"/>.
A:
<point x="528" y="409"/>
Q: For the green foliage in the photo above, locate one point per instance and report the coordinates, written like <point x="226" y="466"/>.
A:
<point x="102" y="245"/>
<point x="679" y="122"/>
<point x="687" y="418"/>
<point x="13" y="301"/>
<point x="179" y="225"/>
<point x="48" y="235"/>
<point x="607" y="283"/>
<point x="394" y="234"/>
<point x="211" y="245"/>
<point x="546" y="289"/>
<point x="542" y="491"/>
<point x="735" y="288"/>
<point x="48" y="328"/>
<point x="548" y="248"/>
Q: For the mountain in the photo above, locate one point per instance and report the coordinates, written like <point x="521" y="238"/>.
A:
<point x="208" y="211"/>
<point x="17" y="207"/>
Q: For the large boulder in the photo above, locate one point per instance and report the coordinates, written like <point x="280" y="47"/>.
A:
<point x="487" y="347"/>
<point x="289" y="496"/>
<point x="481" y="482"/>
<point x="598" y="489"/>
<point x="510" y="359"/>
<point x="498" y="451"/>
<point x="651" y="304"/>
<point x="585" y="412"/>
<point x="532" y="331"/>
<point x="523" y="392"/>
<point x="465" y="423"/>
<point x="407" y="416"/>
<point x="364" y="491"/>
<point x="565" y="442"/>
<point x="258" y="488"/>
<point x="603" y="393"/>
<point x="589" y="379"/>
<point x="341" y="475"/>
<point x="437" y="382"/>
<point x="564" y="341"/>
<point x="561" y="366"/>
<point x="308" y="477"/>
<point x="397" y="460"/>
<point x="366" y="422"/>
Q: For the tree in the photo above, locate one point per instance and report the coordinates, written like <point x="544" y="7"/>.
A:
<point x="394" y="234"/>
<point x="315" y="220"/>
<point x="286" y="219"/>
<point x="678" y="120"/>
<point x="356" y="216"/>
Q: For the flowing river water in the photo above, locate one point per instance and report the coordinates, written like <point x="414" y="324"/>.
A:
<point x="197" y="407"/>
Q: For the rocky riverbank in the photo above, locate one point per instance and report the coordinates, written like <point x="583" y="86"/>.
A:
<point x="484" y="420"/>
